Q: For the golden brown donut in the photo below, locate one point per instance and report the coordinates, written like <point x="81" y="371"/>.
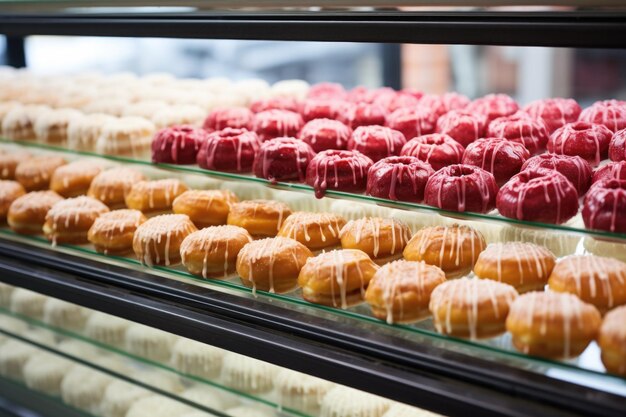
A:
<point x="525" y="266"/>
<point x="9" y="162"/>
<point x="337" y="278"/>
<point x="454" y="249"/>
<point x="154" y="196"/>
<point x="612" y="341"/>
<point x="316" y="231"/>
<point x="594" y="279"/>
<point x="158" y="240"/>
<point x="272" y="264"/>
<point x="212" y="252"/>
<point x="552" y="324"/>
<point x="9" y="192"/>
<point x="205" y="207"/>
<point x="261" y="218"/>
<point x="474" y="308"/>
<point x="400" y="291"/>
<point x="112" y="233"/>
<point x="35" y="173"/>
<point x="112" y="185"/>
<point x="74" y="179"/>
<point x="68" y="221"/>
<point x="382" y="239"/>
<point x="27" y="213"/>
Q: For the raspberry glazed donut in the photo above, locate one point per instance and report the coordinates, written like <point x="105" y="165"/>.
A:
<point x="502" y="157"/>
<point x="382" y="239"/>
<point x="612" y="341"/>
<point x="462" y="126"/>
<point x="610" y="113"/>
<point x="604" y="207"/>
<point x="376" y="142"/>
<point x="362" y="114"/>
<point x="589" y="141"/>
<point x="521" y="128"/>
<point x="177" y="145"/>
<point x="617" y="146"/>
<point x="69" y="221"/>
<point x="272" y="124"/>
<point x="555" y="112"/>
<point x="324" y="134"/>
<point x="313" y="109"/>
<point x="576" y="170"/>
<point x="158" y="240"/>
<point x="229" y="150"/>
<point x="274" y="103"/>
<point x="233" y="117"/>
<point x="399" y="100"/>
<point x="412" y="122"/>
<point x="538" y="195"/>
<point x="493" y="106"/>
<point x="400" y="178"/>
<point x="283" y="159"/>
<point x="338" y="170"/>
<point x="461" y="188"/>
<point x="436" y="149"/>
<point x="442" y="104"/>
<point x="612" y="170"/>
<point x="327" y="91"/>
<point x="362" y="94"/>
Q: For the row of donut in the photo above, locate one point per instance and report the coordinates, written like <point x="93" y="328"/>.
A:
<point x="102" y="395"/>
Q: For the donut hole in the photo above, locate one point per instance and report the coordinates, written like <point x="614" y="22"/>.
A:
<point x="460" y="171"/>
<point x="580" y="126"/>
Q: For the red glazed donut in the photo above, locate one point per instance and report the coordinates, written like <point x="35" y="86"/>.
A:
<point x="502" y="157"/>
<point x="362" y="94"/>
<point x="493" y="106"/>
<point x="462" y="126"/>
<point x="574" y="168"/>
<point x="520" y="127"/>
<point x="272" y="124"/>
<point x="321" y="109"/>
<point x="442" y="104"/>
<point x="376" y="142"/>
<point x="605" y="206"/>
<point x="461" y="188"/>
<point x="362" y="114"/>
<point x="399" y="178"/>
<point x="538" y="195"/>
<point x="412" y="122"/>
<point x="177" y="145"/>
<point x="327" y="91"/>
<point x="235" y="117"/>
<point x="589" y="141"/>
<point x="283" y="159"/>
<point x="436" y="149"/>
<point x="323" y="134"/>
<point x="610" y="171"/>
<point x="338" y="170"/>
<point x="617" y="146"/>
<point x="397" y="101"/>
<point x="230" y="150"/>
<point x="274" y="103"/>
<point x="555" y="112"/>
<point x="413" y="92"/>
<point x="610" y="113"/>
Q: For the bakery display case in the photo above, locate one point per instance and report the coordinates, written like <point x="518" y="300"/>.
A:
<point x="222" y="247"/>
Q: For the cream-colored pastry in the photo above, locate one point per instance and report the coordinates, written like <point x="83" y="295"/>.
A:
<point x="301" y="392"/>
<point x="347" y="402"/>
<point x="145" y="108"/>
<point x="51" y="126"/>
<point x="204" y="396"/>
<point x="179" y="115"/>
<point x="297" y="89"/>
<point x="83" y="387"/>
<point x="13" y="355"/>
<point x="107" y="329"/>
<point x="149" y="343"/>
<point x="196" y="358"/>
<point x="83" y="132"/>
<point x="59" y="313"/>
<point x="28" y="303"/>
<point x="402" y="410"/>
<point x="44" y="372"/>
<point x="157" y="406"/>
<point x="249" y="411"/>
<point x="126" y="136"/>
<point x="113" y="106"/>
<point x="18" y="123"/>
<point x="5" y="294"/>
<point x="11" y="325"/>
<point x="247" y="374"/>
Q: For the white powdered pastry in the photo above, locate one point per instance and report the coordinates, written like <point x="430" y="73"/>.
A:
<point x="149" y="343"/>
<point x="18" y="123"/>
<point x="51" y="126"/>
<point x="297" y="89"/>
<point x="179" y="115"/>
<point x="347" y="402"/>
<point x="247" y="191"/>
<point x="126" y="136"/>
<point x="5" y="294"/>
<point x="28" y="303"/>
<point x="69" y="316"/>
<point x="248" y="411"/>
<point x="44" y="372"/>
<point x="218" y="84"/>
<point x="13" y="355"/>
<point x="79" y="349"/>
<point x="11" y="325"/>
<point x="402" y="410"/>
<point x="157" y="406"/>
<point x="247" y="374"/>
<point x="106" y="329"/>
<point x="204" y="396"/>
<point x="84" y="131"/>
<point x="83" y="387"/>
<point x="300" y="391"/>
<point x="252" y="89"/>
<point x="197" y="358"/>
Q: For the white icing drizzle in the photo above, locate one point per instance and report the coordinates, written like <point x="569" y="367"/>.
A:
<point x="116" y="222"/>
<point x="71" y="212"/>
<point x="150" y="234"/>
<point x="535" y="258"/>
<point x="375" y="229"/>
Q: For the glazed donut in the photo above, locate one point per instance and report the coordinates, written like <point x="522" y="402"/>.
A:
<point x="144" y="108"/>
<point x="157" y="241"/>
<point x="604" y="207"/>
<point x="610" y="171"/>
<point x="337" y="278"/>
<point x="74" y="179"/>
<point x="316" y="231"/>
<point x="51" y="126"/>
<point x="399" y="100"/>
<point x="399" y="178"/>
<point x="205" y="207"/>
<point x="9" y="192"/>
<point x="272" y="264"/>
<point x="112" y="185"/>
<point x="589" y="141"/>
<point x="83" y="132"/>
<point x="610" y="113"/>
<point x="261" y="218"/>
<point x="501" y="157"/>
<point x="272" y="124"/>
<point x="594" y="279"/>
<point x="493" y="106"/>
<point x="327" y="91"/>
<point x="376" y="142"/>
<point x="212" y="252"/>
<point x="9" y="163"/>
<point x="612" y="341"/>
<point x="126" y="136"/>
<point x="35" y="173"/>
<point x="400" y="291"/>
<point x="68" y="221"/>
<point x="461" y="188"/>
<point x="525" y="266"/>
<point x="274" y="103"/>
<point x="230" y="150"/>
<point x="382" y="239"/>
<point x="362" y="94"/>
<point x="19" y="122"/>
<point x="233" y="117"/>
<point x="338" y="170"/>
<point x="473" y="308"/>
<point x="442" y="104"/>
<point x="521" y="128"/>
<point x="555" y="112"/>
<point x="454" y="249"/>
<point x="112" y="233"/>
<point x="617" y="146"/>
<point x="324" y="134"/>
<point x="313" y="109"/>
<point x="412" y="122"/>
<point x="177" y="144"/>
<point x="437" y="149"/>
<point x="574" y="168"/>
<point x="154" y="196"/>
<point x="538" y="195"/>
<point x="27" y="213"/>
<point x="362" y="114"/>
<point x="552" y="325"/>
<point x="463" y="126"/>
<point x="283" y="159"/>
